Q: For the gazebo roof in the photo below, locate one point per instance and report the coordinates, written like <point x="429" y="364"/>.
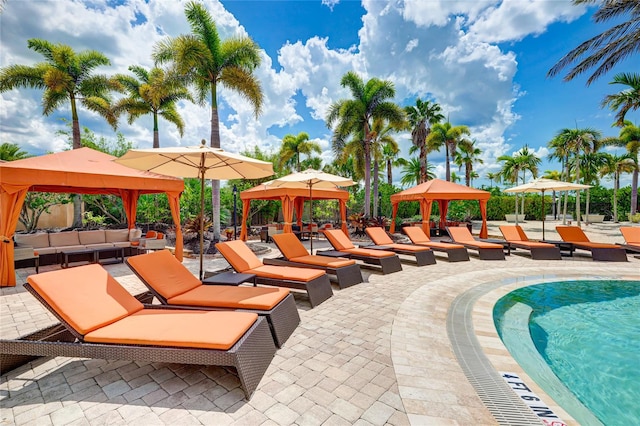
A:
<point x="266" y="192"/>
<point x="437" y="189"/>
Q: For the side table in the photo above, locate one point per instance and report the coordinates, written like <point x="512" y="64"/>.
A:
<point x="230" y="278"/>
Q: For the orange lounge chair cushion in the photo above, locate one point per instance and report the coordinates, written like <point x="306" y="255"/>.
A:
<point x="591" y="245"/>
<point x="482" y="245"/>
<point x="572" y="234"/>
<point x="339" y="240"/>
<point x="416" y="234"/>
<point x="260" y="298"/>
<point x="407" y="247"/>
<point x="443" y="246"/>
<point x="86" y="297"/>
<point x="369" y="252"/>
<point x="289" y="245"/>
<point x="460" y="234"/>
<point x="190" y="329"/>
<point x="631" y="234"/>
<point x="513" y="233"/>
<point x="287" y="273"/>
<point x="162" y="271"/>
<point x="239" y="255"/>
<point x="378" y="236"/>
<point x="327" y="262"/>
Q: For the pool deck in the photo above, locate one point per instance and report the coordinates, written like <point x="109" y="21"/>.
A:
<point x="376" y="353"/>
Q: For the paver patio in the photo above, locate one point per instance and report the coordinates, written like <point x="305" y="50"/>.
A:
<point x="375" y="353"/>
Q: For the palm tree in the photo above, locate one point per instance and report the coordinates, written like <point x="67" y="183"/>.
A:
<point x="354" y="117"/>
<point x="421" y="117"/>
<point x="626" y="100"/>
<point x="311" y="163"/>
<point x="206" y="60"/>
<point x="293" y="146"/>
<point x="65" y="76"/>
<point x="578" y="142"/>
<point x="466" y="155"/>
<point x="629" y="138"/>
<point x="608" y="48"/>
<point x="555" y="175"/>
<point x="154" y="92"/>
<point x="560" y="152"/>
<point x="591" y="164"/>
<point x="390" y="153"/>
<point x="493" y="177"/>
<point x="616" y="165"/>
<point x="522" y="161"/>
<point x="380" y="139"/>
<point x="449" y="136"/>
<point x="411" y="172"/>
<point x="12" y="152"/>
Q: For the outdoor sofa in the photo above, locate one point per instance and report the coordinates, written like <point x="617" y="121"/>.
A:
<point x="173" y="284"/>
<point x="517" y="238"/>
<point x="486" y="251"/>
<point x="315" y="282"/>
<point x="346" y="271"/>
<point x="100" y="319"/>
<point x="423" y="255"/>
<point x="599" y="251"/>
<point x="454" y="252"/>
<point x="386" y="261"/>
<point x="50" y="246"/>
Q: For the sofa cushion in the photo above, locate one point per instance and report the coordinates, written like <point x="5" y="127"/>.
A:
<point x="41" y="239"/>
<point x="92" y="237"/>
<point x="99" y="246"/>
<point x="134" y="234"/>
<point x="46" y="250"/>
<point x="68" y="238"/>
<point x="116" y="235"/>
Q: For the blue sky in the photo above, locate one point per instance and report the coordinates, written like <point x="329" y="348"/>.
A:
<point x="484" y="61"/>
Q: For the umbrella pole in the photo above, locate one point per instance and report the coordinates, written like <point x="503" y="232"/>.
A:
<point x="201" y="220"/>
<point x="543" y="215"/>
<point x="310" y="218"/>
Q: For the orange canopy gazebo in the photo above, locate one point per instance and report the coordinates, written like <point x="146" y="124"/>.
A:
<point x="79" y="171"/>
<point x="292" y="199"/>
<point x="442" y="192"/>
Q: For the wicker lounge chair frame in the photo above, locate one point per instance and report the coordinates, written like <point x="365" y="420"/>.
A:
<point x="283" y="319"/>
<point x="424" y="256"/>
<point x="454" y="254"/>
<point x="318" y="289"/>
<point x="386" y="265"/>
<point x="250" y="356"/>
<point x="601" y="252"/>
<point x="345" y="276"/>
<point x="537" y="250"/>
<point x="484" y="251"/>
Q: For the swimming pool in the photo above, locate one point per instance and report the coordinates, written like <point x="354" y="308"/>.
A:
<point x="580" y="341"/>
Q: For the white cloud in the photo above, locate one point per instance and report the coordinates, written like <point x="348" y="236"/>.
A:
<point x="330" y="3"/>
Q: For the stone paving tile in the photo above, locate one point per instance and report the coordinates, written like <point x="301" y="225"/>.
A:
<point x="375" y="353"/>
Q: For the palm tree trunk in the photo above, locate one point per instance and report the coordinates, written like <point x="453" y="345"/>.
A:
<point x="215" y="184"/>
<point x="516" y="207"/>
<point x="616" y="186"/>
<point x="447" y="165"/>
<point x="389" y="173"/>
<point x="634" y="190"/>
<point x="587" y="206"/>
<point x="156" y="135"/>
<point x="77" y="143"/>
<point x="375" y="188"/>
<point x="578" y="191"/>
<point x="423" y="163"/>
<point x="367" y="175"/>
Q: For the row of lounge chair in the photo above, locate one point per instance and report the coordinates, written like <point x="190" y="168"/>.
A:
<point x="231" y="326"/>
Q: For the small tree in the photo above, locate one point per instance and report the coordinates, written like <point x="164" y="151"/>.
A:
<point x="37" y="203"/>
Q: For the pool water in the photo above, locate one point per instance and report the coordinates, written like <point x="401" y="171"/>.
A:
<point x="588" y="333"/>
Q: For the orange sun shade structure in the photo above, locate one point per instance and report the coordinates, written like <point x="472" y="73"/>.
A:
<point x="79" y="171"/>
<point x="292" y="199"/>
<point x="442" y="192"/>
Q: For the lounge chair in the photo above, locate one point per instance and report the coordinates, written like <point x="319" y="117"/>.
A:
<point x="102" y="320"/>
<point x="599" y="251"/>
<point x="423" y="255"/>
<point x="516" y="237"/>
<point x="631" y="236"/>
<point x="455" y="252"/>
<point x="387" y="261"/>
<point x="316" y="283"/>
<point x="346" y="271"/>
<point x="173" y="284"/>
<point x="486" y="251"/>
